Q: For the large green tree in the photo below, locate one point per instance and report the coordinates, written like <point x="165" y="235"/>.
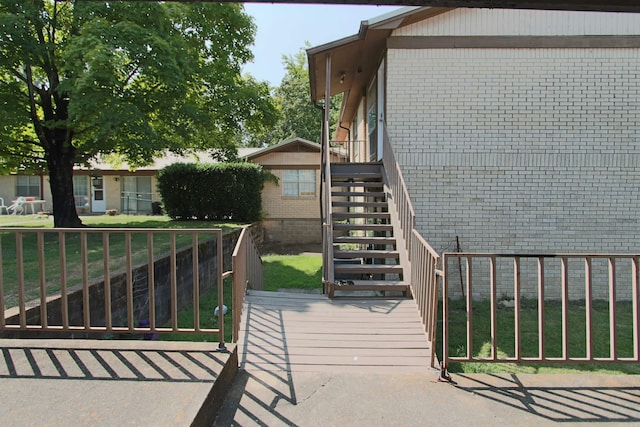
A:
<point x="299" y="117"/>
<point x="135" y="79"/>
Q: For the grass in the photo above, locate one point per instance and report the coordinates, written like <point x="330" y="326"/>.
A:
<point x="552" y="339"/>
<point x="208" y="303"/>
<point x="280" y="272"/>
<point x="292" y="272"/>
<point x="73" y="253"/>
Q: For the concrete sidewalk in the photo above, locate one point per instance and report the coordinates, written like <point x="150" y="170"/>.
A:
<point x="56" y="382"/>
<point x="284" y="398"/>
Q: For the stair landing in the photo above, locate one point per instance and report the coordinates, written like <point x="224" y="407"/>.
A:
<point x="291" y="332"/>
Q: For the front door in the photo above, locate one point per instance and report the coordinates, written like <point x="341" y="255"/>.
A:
<point x="98" y="203"/>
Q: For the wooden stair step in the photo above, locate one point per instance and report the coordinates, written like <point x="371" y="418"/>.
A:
<point x="375" y="194"/>
<point x="355" y="204"/>
<point x="368" y="227"/>
<point x="367" y="167"/>
<point x="367" y="268"/>
<point x="357" y="184"/>
<point x="368" y="285"/>
<point x="356" y="176"/>
<point x="363" y="253"/>
<point x="363" y="215"/>
<point x="364" y="240"/>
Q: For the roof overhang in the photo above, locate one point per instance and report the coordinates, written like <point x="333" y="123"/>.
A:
<point x="592" y="5"/>
<point x="355" y="59"/>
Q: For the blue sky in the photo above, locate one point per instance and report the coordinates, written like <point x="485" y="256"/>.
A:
<point x="284" y="28"/>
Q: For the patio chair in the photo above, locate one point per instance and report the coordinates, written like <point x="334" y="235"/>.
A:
<point x="3" y="207"/>
<point x="17" y="208"/>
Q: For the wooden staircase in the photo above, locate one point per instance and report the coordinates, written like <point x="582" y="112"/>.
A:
<point x="365" y="253"/>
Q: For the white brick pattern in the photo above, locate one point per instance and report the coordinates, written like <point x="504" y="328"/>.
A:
<point x="529" y="150"/>
<point x="489" y="22"/>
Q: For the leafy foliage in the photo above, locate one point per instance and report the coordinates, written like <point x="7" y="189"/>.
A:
<point x="79" y="79"/>
<point x="213" y="191"/>
<point x="299" y="117"/>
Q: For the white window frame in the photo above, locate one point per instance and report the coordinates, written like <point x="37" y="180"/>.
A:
<point x="32" y="182"/>
<point x="81" y="192"/>
<point x="299" y="183"/>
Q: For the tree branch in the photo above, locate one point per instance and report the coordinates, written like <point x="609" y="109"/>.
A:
<point x="37" y="124"/>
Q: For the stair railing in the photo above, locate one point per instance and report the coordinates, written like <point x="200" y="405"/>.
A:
<point x="399" y="191"/>
<point x="422" y="272"/>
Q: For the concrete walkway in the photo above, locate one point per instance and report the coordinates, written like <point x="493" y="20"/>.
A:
<point x="53" y="382"/>
<point x="282" y="392"/>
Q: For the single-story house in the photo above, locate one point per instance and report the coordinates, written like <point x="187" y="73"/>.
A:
<point x="292" y="207"/>
<point x="103" y="186"/>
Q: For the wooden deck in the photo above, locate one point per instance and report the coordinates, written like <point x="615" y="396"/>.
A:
<point x="307" y="332"/>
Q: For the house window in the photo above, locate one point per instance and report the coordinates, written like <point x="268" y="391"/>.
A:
<point x="299" y="183"/>
<point x="136" y="195"/>
<point x="28" y="186"/>
<point x="81" y="191"/>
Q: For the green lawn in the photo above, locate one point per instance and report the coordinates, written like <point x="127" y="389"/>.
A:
<point x="73" y="254"/>
<point x="292" y="272"/>
<point x="529" y="337"/>
<point x="280" y="272"/>
<point x="208" y="303"/>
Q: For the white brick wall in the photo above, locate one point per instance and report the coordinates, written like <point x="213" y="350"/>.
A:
<point x="530" y="150"/>
<point x="523" y="22"/>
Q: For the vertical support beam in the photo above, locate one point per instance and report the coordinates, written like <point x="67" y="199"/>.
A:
<point x="129" y="273"/>
<point x="328" y="232"/>
<point x="469" y="306"/>
<point x="86" y="309"/>
<point x="43" y="281"/>
<point x="152" y="282"/>
<point x="564" y="284"/>
<point x="516" y="308"/>
<point x="2" y="321"/>
<point x="221" y="345"/>
<point x="106" y="259"/>
<point x="445" y="316"/>
<point x="635" y="298"/>
<point x="64" y="300"/>
<point x="612" y="309"/>
<point x="588" y="302"/>
<point x="174" y="281"/>
<point x="541" y="308"/>
<point x="493" y="304"/>
<point x="196" y="282"/>
<point x="20" y="271"/>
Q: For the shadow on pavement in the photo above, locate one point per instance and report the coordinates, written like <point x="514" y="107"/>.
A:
<point x="572" y="398"/>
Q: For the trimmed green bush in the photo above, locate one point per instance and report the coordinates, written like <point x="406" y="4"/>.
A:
<point x="220" y="191"/>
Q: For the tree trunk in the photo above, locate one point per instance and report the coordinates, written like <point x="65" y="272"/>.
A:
<point x="60" y="160"/>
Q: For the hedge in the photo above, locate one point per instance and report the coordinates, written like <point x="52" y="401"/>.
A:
<point x="220" y="191"/>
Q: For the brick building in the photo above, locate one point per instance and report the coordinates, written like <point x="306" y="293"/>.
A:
<point x="292" y="206"/>
<point x="516" y="130"/>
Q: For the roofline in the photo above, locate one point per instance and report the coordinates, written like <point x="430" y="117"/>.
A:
<point x="282" y="144"/>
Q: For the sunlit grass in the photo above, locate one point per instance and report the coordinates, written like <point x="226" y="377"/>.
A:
<point x="292" y="272"/>
<point x="208" y="303"/>
<point x="505" y="337"/>
<point x="52" y="260"/>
